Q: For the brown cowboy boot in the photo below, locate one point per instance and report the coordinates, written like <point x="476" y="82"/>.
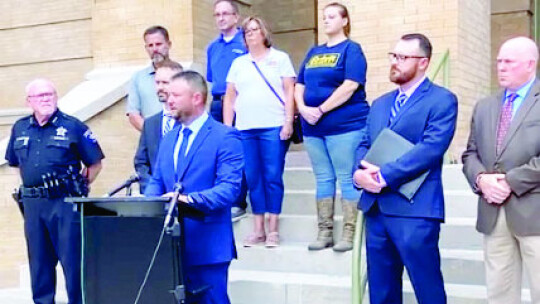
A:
<point x="325" y="212"/>
<point x="349" y="223"/>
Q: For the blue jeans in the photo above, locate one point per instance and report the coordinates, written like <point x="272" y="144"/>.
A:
<point x="332" y="158"/>
<point x="264" y="157"/>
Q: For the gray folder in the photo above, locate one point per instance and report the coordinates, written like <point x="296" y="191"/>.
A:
<point x="388" y="147"/>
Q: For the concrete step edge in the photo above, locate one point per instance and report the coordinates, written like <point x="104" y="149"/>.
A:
<point x="452" y="289"/>
<point x="453" y="221"/>
<point x="301" y="247"/>
<point x="289" y="278"/>
<point x="309" y="168"/>
<point x="467" y="291"/>
<point x="447" y="193"/>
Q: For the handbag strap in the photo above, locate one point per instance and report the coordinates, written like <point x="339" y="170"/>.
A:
<point x="267" y="82"/>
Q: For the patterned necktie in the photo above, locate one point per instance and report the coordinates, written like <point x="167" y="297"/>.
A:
<point x="505" y="120"/>
<point x="169" y="123"/>
<point x="183" y="148"/>
<point x="400" y="101"/>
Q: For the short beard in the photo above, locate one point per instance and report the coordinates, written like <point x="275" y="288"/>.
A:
<point x="401" y="77"/>
<point x="158" y="58"/>
<point x="162" y="99"/>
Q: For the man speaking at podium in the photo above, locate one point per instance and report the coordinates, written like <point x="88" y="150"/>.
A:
<point x="206" y="157"/>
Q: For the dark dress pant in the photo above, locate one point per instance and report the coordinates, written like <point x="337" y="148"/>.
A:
<point x="53" y="233"/>
<point x="393" y="243"/>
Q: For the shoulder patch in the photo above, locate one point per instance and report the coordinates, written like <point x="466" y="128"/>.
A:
<point x="90" y="136"/>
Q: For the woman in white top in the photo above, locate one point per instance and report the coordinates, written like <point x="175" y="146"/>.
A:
<point x="260" y="88"/>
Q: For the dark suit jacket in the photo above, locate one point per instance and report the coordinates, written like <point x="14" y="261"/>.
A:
<point x="519" y="160"/>
<point x="211" y="175"/>
<point x="428" y="120"/>
<point x="145" y="156"/>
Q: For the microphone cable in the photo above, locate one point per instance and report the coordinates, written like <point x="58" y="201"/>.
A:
<point x="152" y="261"/>
<point x="177" y="189"/>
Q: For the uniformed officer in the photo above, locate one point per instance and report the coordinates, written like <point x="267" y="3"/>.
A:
<point x="46" y="147"/>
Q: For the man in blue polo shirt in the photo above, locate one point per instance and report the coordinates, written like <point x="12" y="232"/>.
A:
<point x="220" y="55"/>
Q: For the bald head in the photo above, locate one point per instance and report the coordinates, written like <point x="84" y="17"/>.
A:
<point x="516" y="62"/>
<point x="42" y="98"/>
<point x="39" y="82"/>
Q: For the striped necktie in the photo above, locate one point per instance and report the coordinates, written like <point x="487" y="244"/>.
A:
<point x="169" y="123"/>
<point x="400" y="101"/>
<point x="505" y="120"/>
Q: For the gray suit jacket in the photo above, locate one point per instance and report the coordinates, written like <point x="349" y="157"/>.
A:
<point x="519" y="159"/>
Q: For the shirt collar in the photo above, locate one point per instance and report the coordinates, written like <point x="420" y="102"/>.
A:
<point x="53" y="120"/>
<point x="197" y="124"/>
<point x="413" y="88"/>
<point x="236" y="36"/>
<point x="150" y="70"/>
<point x="522" y="91"/>
<point x="166" y="111"/>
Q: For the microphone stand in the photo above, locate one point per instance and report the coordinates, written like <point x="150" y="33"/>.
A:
<point x="127" y="184"/>
<point x="178" y="235"/>
<point x="176" y="231"/>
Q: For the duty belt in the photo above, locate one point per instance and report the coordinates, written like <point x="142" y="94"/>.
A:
<point x="34" y="192"/>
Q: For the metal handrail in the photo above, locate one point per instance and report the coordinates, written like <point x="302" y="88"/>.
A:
<point x="359" y="271"/>
<point x="444" y="64"/>
<point x="359" y="265"/>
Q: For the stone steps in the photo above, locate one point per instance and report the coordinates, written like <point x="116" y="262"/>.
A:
<point x="300" y="288"/>
<point x="455" y="233"/>
<point x="459" y="266"/>
<point x="292" y="274"/>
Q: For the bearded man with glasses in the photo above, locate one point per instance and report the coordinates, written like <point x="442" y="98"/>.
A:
<point x="402" y="232"/>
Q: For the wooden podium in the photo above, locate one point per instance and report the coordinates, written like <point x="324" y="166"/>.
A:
<point x="119" y="235"/>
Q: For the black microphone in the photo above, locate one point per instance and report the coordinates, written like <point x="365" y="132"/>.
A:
<point x="178" y="188"/>
<point x="132" y="179"/>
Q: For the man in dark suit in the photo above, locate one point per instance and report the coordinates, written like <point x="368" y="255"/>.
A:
<point x="206" y="157"/>
<point x="502" y="165"/>
<point x="155" y="126"/>
<point x="402" y="233"/>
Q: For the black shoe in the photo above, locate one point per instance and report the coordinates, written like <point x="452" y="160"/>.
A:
<point x="237" y="214"/>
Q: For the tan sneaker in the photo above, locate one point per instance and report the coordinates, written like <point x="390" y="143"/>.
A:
<point x="272" y="240"/>
<point x="254" y="240"/>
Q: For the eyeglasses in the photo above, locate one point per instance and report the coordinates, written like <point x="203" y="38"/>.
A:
<point x="402" y="58"/>
<point x="252" y="30"/>
<point x="224" y="14"/>
<point x="42" y="95"/>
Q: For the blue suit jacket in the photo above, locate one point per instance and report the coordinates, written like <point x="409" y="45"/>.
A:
<point x="211" y="175"/>
<point x="428" y="120"/>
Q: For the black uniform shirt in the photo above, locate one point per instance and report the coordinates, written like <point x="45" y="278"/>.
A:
<point x="62" y="142"/>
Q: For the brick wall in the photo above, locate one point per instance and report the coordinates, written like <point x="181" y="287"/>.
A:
<point x="53" y="42"/>
<point x="508" y="19"/>
<point x="118" y="25"/>
<point x="119" y="142"/>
